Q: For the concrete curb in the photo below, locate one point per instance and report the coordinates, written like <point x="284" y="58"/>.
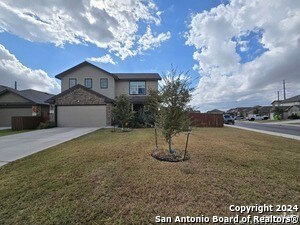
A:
<point x="267" y="132"/>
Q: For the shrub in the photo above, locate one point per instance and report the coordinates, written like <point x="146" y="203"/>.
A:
<point x="46" y="125"/>
<point x="121" y="112"/>
<point x="293" y="117"/>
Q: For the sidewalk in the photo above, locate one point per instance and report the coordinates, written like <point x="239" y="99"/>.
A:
<point x="287" y="122"/>
<point x="266" y="132"/>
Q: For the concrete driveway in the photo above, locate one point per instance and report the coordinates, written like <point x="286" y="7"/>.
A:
<point x="16" y="146"/>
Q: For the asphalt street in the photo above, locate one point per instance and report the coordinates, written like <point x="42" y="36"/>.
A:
<point x="278" y="128"/>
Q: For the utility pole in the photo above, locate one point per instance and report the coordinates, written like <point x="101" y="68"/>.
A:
<point x="284" y="96"/>
<point x="278" y="96"/>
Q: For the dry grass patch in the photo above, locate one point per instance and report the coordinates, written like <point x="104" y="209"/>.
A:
<point x="111" y="178"/>
<point x="10" y="131"/>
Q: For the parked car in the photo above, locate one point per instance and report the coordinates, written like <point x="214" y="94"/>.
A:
<point x="238" y="118"/>
<point x="257" y="117"/>
<point x="228" y="119"/>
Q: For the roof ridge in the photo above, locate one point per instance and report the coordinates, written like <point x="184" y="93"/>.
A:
<point x="78" y="66"/>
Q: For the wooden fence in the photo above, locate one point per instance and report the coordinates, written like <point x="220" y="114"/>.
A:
<point x="25" y="122"/>
<point x="206" y="120"/>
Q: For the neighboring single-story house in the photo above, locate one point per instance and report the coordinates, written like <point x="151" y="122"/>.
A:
<point x="88" y="93"/>
<point x="215" y="111"/>
<point x="22" y="103"/>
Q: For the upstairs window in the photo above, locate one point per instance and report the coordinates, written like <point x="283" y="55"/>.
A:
<point x="72" y="82"/>
<point x="88" y="82"/>
<point x="137" y="87"/>
<point x="103" y="83"/>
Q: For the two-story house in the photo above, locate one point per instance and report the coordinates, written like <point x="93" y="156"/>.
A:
<point x="88" y="92"/>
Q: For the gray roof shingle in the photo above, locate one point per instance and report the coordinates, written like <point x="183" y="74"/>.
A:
<point x="292" y="99"/>
<point x="34" y="96"/>
<point x="138" y="76"/>
<point x="116" y="76"/>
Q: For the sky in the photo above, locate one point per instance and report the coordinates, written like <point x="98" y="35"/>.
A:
<point x="237" y="52"/>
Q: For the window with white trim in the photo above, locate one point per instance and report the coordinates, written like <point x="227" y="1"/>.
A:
<point x="72" y="82"/>
<point x="103" y="83"/>
<point x="137" y="87"/>
<point x="88" y="82"/>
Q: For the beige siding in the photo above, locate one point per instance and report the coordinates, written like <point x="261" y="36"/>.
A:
<point x="122" y="87"/>
<point x="7" y="113"/>
<point x="93" y="73"/>
<point x="12" y="97"/>
<point x="289" y="103"/>
<point x="151" y="85"/>
<point x="81" y="116"/>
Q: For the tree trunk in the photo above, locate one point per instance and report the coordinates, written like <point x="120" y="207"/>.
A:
<point x="156" y="146"/>
<point x="170" y="144"/>
<point x="186" y="145"/>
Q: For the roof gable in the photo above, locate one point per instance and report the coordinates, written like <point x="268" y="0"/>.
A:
<point x="7" y="96"/>
<point x="73" y="90"/>
<point x="31" y="95"/>
<point x="85" y="63"/>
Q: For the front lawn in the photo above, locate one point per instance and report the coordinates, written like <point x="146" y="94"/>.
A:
<point x="110" y="178"/>
<point x="10" y="131"/>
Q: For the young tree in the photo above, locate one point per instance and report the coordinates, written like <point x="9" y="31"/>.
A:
<point x="278" y="112"/>
<point x="152" y="104"/>
<point x="256" y="110"/>
<point x="122" y="112"/>
<point x="174" y="97"/>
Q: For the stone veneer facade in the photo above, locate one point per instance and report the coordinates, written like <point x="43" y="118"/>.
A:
<point x="108" y="114"/>
<point x="79" y="96"/>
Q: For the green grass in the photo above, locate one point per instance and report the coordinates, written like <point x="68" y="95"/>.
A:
<point x="10" y="131"/>
<point x="110" y="178"/>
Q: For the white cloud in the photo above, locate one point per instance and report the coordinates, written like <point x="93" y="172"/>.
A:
<point x="104" y="59"/>
<point x="149" y="41"/>
<point x="226" y="82"/>
<point x="11" y="70"/>
<point x="109" y="24"/>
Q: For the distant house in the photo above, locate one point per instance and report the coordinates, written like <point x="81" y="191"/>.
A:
<point x="287" y="102"/>
<point x="287" y="111"/>
<point x="215" y="111"/>
<point x="261" y="110"/>
<point x="22" y="103"/>
<point x="289" y="106"/>
<point x="292" y="110"/>
<point x="281" y="108"/>
<point x="240" y="111"/>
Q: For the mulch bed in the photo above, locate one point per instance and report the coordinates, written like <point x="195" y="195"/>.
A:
<point x="165" y="155"/>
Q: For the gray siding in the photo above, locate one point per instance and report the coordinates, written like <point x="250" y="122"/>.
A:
<point x="12" y="97"/>
<point x="7" y="113"/>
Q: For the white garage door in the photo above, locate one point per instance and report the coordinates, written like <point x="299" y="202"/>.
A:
<point x="81" y="116"/>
